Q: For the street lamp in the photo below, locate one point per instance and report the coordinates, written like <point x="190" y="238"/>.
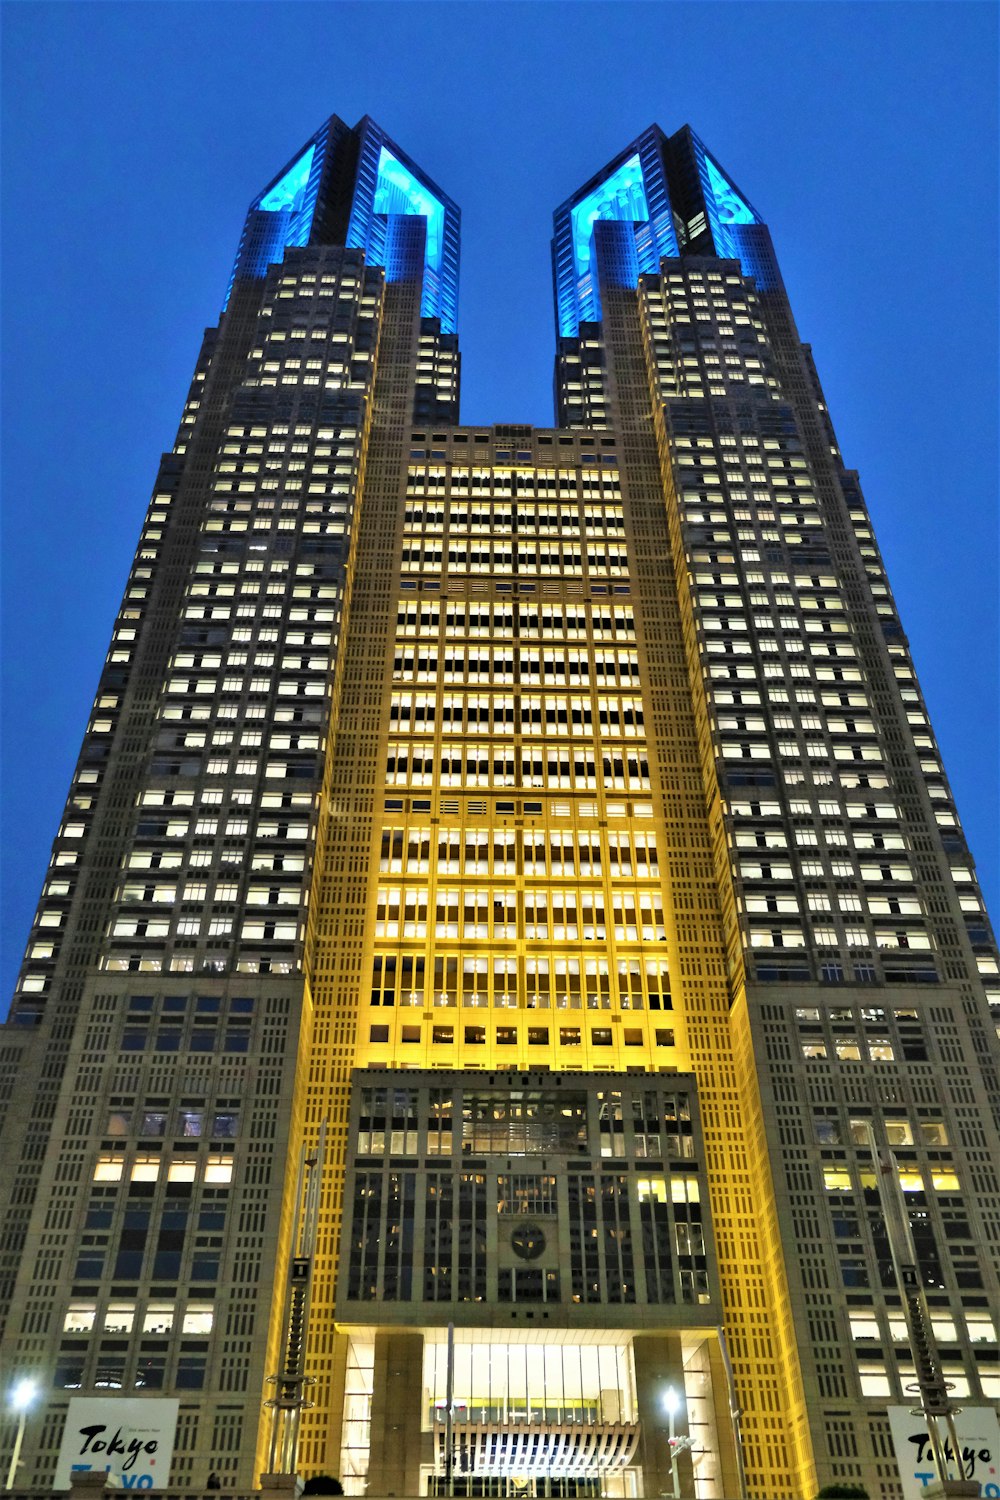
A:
<point x="21" y="1397"/>
<point x="672" y="1405"/>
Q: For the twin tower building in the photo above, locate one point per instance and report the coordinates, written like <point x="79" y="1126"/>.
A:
<point x="510" y="948"/>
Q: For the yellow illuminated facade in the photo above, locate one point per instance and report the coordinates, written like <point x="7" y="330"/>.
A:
<point x="550" y="813"/>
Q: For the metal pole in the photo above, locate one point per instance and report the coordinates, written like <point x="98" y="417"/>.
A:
<point x="672" y="1402"/>
<point x="449" y="1452"/>
<point x="675" y="1478"/>
<point x="734" y="1412"/>
<point x="277" y="1421"/>
<point x="290" y="1381"/>
<point x="935" y="1403"/>
<point x="15" y="1457"/>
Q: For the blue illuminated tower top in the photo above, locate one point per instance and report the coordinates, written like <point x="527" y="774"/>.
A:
<point x="346" y="187"/>
<point x="670" y="197"/>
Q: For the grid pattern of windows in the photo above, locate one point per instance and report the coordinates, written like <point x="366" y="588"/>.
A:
<point x="513" y="1199"/>
<point x="477" y="907"/>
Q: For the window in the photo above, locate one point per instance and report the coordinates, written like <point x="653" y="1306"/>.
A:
<point x="190" y="1372"/>
<point x="874" y="1380"/>
<point x="982" y="1329"/>
<point x="197" y="1318"/>
<point x="864" y="1325"/>
<point x="150" y="1372"/>
<point x="80" y="1317"/>
<point x="158" y="1317"/>
<point x="69" y="1373"/>
<point x="119" y="1317"/>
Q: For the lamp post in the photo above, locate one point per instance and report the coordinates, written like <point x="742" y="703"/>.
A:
<point x="21" y="1397"/>
<point x="672" y="1402"/>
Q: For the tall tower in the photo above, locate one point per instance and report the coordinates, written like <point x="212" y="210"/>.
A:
<point x="554" y="814"/>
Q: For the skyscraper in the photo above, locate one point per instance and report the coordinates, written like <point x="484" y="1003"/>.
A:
<point x="546" y="821"/>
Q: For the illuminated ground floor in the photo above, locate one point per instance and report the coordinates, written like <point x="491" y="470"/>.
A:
<point x="536" y="1412"/>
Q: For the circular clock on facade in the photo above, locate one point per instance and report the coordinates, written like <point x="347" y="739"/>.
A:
<point x="527" y="1241"/>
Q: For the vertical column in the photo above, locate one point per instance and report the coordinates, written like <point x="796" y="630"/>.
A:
<point x="754" y="1286"/>
<point x="658" y="1368"/>
<point x="341" y="893"/>
<point x="395" y="1430"/>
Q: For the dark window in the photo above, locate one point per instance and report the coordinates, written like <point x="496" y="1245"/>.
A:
<point x="150" y="1372"/>
<point x="69" y="1374"/>
<point x="89" y="1265"/>
<point x="190" y="1373"/>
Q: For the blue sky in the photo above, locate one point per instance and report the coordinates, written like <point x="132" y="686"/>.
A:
<point x="134" y="136"/>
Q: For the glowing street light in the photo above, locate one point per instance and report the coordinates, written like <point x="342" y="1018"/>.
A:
<point x="672" y="1405"/>
<point x="21" y="1396"/>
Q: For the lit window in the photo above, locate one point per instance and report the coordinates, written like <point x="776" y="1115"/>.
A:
<point x="982" y="1329"/>
<point x="197" y="1318"/>
<point x="912" y="1182"/>
<point x="119" y="1317"/>
<point x="80" y="1317"/>
<point x="158" y="1317"/>
<point x="874" y="1381"/>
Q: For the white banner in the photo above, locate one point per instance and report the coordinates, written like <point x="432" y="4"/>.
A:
<point x="130" y="1437"/>
<point x="979" y="1439"/>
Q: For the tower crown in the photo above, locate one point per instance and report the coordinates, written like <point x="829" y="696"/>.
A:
<point x="345" y="187"/>
<point x="674" y="197"/>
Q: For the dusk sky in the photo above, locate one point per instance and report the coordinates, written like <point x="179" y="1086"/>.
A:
<point x="135" y="135"/>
